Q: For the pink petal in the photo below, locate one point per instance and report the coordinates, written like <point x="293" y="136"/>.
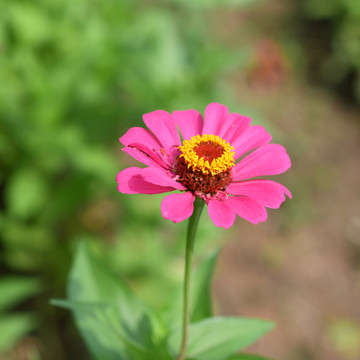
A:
<point x="234" y="127"/>
<point x="178" y="207"/>
<point x="190" y="123"/>
<point x="130" y="181"/>
<point x="162" y="124"/>
<point x="247" y="208"/>
<point x="221" y="213"/>
<point x="253" y="137"/>
<point x="140" y="135"/>
<point x="214" y="118"/>
<point x="268" y="193"/>
<point x="160" y="177"/>
<point x="270" y="159"/>
<point x="143" y="155"/>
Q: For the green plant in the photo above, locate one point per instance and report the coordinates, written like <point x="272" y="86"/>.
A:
<point x="15" y="326"/>
<point x="342" y="61"/>
<point x="117" y="325"/>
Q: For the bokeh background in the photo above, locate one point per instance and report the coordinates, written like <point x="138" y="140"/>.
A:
<point x="74" y="75"/>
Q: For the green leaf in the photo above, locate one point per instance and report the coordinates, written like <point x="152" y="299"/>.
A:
<point x="30" y="23"/>
<point x="247" y="357"/>
<point x="90" y="281"/>
<point x="200" y="293"/>
<point x="219" y="337"/>
<point x="201" y="289"/>
<point x="113" y="322"/>
<point x="322" y="8"/>
<point x="214" y="4"/>
<point x="13" y="328"/>
<point x="166" y="56"/>
<point x="27" y="193"/>
<point x="13" y="290"/>
<point x="101" y="328"/>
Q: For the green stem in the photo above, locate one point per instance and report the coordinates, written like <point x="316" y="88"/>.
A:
<point x="190" y="240"/>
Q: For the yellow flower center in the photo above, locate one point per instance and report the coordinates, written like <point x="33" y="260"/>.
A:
<point x="208" y="154"/>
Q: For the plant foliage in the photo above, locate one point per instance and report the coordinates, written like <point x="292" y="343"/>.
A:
<point x="117" y="325"/>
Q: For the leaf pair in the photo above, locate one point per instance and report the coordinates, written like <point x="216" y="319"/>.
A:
<point x="117" y="326"/>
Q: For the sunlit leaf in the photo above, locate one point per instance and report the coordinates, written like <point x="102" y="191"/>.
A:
<point x="165" y="51"/>
<point x="27" y="192"/>
<point x="13" y="328"/>
<point x="213" y="4"/>
<point x="30" y="23"/>
<point x="219" y="337"/>
<point x="13" y="290"/>
<point x="113" y="322"/>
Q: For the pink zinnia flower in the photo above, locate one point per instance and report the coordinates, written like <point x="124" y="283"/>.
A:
<point x="203" y="164"/>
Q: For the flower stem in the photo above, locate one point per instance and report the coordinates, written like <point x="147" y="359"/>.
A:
<point x="190" y="240"/>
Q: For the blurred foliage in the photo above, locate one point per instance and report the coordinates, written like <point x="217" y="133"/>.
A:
<point x="74" y="76"/>
<point x="116" y="325"/>
<point x="13" y="327"/>
<point x="344" y="334"/>
<point x="211" y="4"/>
<point x="342" y="19"/>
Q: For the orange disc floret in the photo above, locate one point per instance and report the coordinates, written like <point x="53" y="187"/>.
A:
<point x="208" y="154"/>
<point x="205" y="163"/>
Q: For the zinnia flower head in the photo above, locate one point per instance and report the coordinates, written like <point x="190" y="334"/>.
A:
<point x="219" y="159"/>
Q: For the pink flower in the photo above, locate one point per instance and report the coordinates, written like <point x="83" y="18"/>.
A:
<point x="203" y="164"/>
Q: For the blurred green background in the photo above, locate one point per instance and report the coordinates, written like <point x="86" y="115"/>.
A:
<point x="75" y="75"/>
